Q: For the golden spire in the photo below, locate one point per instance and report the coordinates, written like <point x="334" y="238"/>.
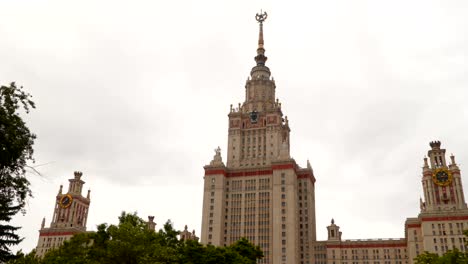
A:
<point x="261" y="58"/>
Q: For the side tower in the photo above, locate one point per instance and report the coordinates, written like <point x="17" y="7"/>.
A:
<point x="69" y="218"/>
<point x="444" y="214"/>
<point x="441" y="182"/>
<point x="261" y="193"/>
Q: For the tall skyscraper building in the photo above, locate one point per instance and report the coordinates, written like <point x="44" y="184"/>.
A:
<point x="69" y="218"/>
<point x="261" y="193"/>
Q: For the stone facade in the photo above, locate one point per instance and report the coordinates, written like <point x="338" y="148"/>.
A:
<point x="437" y="229"/>
<point x="187" y="235"/>
<point x="261" y="193"/>
<point x="69" y="218"/>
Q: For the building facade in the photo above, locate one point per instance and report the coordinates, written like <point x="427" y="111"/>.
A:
<point x="69" y="218"/>
<point x="187" y="235"/>
<point x="444" y="214"/>
<point x="438" y="227"/>
<point x="261" y="193"/>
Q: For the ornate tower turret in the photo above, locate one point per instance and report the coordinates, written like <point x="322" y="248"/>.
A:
<point x="334" y="233"/>
<point x="70" y="216"/>
<point x="76" y="184"/>
<point x="151" y="224"/>
<point x="258" y="133"/>
<point x="442" y="184"/>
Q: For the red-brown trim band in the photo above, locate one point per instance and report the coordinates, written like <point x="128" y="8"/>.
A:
<point x="283" y="166"/>
<point x="445" y="218"/>
<point x="367" y="245"/>
<point x="214" y="172"/>
<point x="58" y="234"/>
<point x="249" y="173"/>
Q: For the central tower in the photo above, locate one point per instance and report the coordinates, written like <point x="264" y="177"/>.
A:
<point x="261" y="193"/>
<point x="258" y="133"/>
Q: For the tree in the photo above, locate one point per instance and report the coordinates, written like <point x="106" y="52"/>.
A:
<point x="21" y="258"/>
<point x="454" y="256"/>
<point x="128" y="242"/>
<point x="242" y="251"/>
<point x="132" y="242"/>
<point x="16" y="150"/>
<point x="245" y="249"/>
<point x="426" y="258"/>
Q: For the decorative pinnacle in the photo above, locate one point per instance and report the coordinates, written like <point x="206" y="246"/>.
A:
<point x="435" y="144"/>
<point x="452" y="158"/>
<point x="261" y="58"/>
<point x="78" y="174"/>
<point x="261" y="17"/>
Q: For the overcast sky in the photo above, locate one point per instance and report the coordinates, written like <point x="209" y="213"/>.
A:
<point x="136" y="95"/>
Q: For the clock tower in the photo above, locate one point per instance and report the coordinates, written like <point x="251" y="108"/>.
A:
<point x="441" y="182"/>
<point x="444" y="214"/>
<point x="69" y="218"/>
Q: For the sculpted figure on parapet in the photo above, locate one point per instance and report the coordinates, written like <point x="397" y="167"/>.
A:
<point x="217" y="160"/>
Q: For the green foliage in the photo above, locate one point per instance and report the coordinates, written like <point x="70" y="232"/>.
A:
<point x="16" y="150"/>
<point x="247" y="250"/>
<point x="21" y="258"/>
<point x="240" y="252"/>
<point x="426" y="258"/>
<point x="450" y="257"/>
<point x="132" y="242"/>
<point x="454" y="256"/>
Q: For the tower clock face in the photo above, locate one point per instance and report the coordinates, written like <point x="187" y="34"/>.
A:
<point x="254" y="117"/>
<point x="66" y="201"/>
<point x="442" y="177"/>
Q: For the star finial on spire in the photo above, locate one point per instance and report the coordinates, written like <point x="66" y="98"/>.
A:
<point x="261" y="58"/>
<point x="261" y="17"/>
